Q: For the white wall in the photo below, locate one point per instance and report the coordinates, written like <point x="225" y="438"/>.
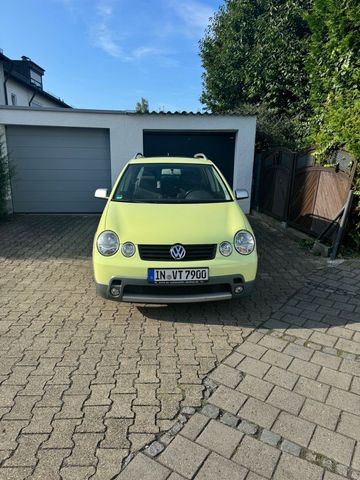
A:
<point x="24" y="95"/>
<point x="126" y="133"/>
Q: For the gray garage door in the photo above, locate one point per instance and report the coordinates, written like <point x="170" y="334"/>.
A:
<point x="58" y="169"/>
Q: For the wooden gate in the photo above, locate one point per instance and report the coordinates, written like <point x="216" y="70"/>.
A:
<point x="292" y="188"/>
<point x="317" y="196"/>
<point x="275" y="182"/>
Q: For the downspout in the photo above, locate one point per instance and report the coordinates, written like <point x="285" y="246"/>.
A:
<point x="7" y="76"/>
<point x="32" y="98"/>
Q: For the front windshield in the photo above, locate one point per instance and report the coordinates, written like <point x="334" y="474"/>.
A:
<point x="171" y="183"/>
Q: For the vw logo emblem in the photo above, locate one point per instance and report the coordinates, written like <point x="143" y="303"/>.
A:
<point x="177" y="252"/>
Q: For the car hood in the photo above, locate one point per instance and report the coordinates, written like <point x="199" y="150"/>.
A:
<point x="149" y="223"/>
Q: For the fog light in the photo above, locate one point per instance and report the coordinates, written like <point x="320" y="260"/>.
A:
<point x="115" y="291"/>
<point x="239" y="289"/>
<point x="128" y="249"/>
<point x="225" y="249"/>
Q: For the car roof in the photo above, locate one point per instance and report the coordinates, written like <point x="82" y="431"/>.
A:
<point x="185" y="160"/>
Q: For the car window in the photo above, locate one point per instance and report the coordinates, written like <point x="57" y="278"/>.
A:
<point x="171" y="183"/>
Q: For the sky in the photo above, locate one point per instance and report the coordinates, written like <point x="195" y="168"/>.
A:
<point x="107" y="54"/>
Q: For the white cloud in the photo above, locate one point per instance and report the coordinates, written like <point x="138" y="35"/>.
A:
<point x="105" y="33"/>
<point x="102" y="35"/>
<point x="195" y="15"/>
<point x="104" y="10"/>
<point x="142" y="52"/>
<point x="104" y="38"/>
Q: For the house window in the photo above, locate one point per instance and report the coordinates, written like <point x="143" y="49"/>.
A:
<point x="13" y="99"/>
<point x="35" y="79"/>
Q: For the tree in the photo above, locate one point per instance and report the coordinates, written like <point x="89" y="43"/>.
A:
<point x="253" y="54"/>
<point x="142" y="106"/>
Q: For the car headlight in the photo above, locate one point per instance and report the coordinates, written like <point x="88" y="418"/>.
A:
<point x="128" y="249"/>
<point x="244" y="242"/>
<point x="225" y="249"/>
<point x="107" y="243"/>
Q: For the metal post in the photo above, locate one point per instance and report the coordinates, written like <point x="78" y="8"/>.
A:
<point x="330" y="224"/>
<point x="342" y="226"/>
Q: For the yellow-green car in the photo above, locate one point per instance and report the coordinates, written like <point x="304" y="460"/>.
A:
<point x="172" y="231"/>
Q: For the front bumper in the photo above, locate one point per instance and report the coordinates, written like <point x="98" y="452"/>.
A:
<point x="138" y="290"/>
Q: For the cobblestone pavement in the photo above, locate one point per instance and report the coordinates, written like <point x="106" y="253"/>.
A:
<point x="284" y="405"/>
<point x="84" y="381"/>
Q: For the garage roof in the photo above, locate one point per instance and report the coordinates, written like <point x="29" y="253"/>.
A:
<point x="128" y="112"/>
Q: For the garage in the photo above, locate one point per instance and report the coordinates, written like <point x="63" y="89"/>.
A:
<point x="218" y="146"/>
<point x="57" y="169"/>
<point x="62" y="155"/>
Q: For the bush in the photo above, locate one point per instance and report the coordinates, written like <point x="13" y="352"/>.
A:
<point x="334" y="70"/>
<point x="274" y="129"/>
<point x="5" y="174"/>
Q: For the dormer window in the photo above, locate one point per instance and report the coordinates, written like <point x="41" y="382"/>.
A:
<point x="35" y="78"/>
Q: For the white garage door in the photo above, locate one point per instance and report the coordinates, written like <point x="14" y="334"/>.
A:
<point x="56" y="170"/>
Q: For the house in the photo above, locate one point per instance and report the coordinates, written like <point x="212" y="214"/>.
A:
<point x="21" y="84"/>
<point x="61" y="155"/>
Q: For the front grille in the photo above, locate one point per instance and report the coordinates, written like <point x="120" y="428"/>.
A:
<point x="176" y="289"/>
<point x="162" y="253"/>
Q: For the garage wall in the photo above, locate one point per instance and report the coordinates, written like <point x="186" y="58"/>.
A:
<point x="57" y="169"/>
<point x="126" y="132"/>
<point x="130" y="130"/>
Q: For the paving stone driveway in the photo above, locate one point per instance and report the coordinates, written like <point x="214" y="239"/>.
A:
<point x="284" y="405"/>
<point x="84" y="382"/>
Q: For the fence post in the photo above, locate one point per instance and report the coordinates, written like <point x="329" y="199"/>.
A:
<point x="290" y="187"/>
<point x="257" y="181"/>
<point x="342" y="226"/>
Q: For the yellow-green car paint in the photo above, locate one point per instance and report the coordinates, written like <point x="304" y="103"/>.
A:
<point x="168" y="224"/>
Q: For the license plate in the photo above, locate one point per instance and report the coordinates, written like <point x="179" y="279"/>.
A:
<point x="178" y="275"/>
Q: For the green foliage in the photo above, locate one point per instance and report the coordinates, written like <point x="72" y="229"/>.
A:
<point x="278" y="129"/>
<point x="253" y="53"/>
<point x="296" y="65"/>
<point x="142" y="106"/>
<point x="334" y="69"/>
<point x="4" y="182"/>
<point x="333" y="65"/>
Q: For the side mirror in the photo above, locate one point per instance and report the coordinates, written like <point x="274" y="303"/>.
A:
<point x="101" y="193"/>
<point x="241" y="194"/>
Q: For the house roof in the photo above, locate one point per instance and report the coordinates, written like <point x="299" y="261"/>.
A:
<point x="12" y="70"/>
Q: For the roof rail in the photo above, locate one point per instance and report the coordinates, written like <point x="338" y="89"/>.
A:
<point x="200" y="155"/>
<point x="139" y="154"/>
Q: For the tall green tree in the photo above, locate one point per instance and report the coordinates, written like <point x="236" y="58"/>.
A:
<point x="253" y="53"/>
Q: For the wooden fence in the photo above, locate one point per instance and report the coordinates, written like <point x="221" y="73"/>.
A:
<point x="291" y="187"/>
